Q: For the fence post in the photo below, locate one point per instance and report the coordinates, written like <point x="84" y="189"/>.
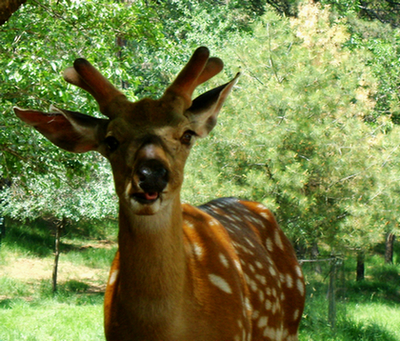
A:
<point x="331" y="295"/>
<point x="2" y="229"/>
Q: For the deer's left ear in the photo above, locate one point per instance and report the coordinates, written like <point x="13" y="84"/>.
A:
<point x="205" y="108"/>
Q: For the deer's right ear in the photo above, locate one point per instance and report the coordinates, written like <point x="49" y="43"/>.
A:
<point x="69" y="130"/>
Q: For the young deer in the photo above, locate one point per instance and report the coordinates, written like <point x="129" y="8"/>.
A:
<point x="223" y="271"/>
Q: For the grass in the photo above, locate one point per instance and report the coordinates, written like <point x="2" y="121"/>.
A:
<point x="28" y="308"/>
<point x="51" y="320"/>
<point x="366" y="311"/>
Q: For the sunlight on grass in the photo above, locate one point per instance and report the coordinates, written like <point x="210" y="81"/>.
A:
<point x="50" y="320"/>
<point x="386" y="318"/>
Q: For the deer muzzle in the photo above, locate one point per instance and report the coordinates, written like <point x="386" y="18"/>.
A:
<point x="152" y="178"/>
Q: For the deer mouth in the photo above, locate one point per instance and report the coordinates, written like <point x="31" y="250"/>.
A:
<point x="146" y="198"/>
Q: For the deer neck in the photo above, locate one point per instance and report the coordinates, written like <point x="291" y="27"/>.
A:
<point x="152" y="260"/>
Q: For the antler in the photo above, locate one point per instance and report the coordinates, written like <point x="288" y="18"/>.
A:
<point x="199" y="69"/>
<point x="87" y="77"/>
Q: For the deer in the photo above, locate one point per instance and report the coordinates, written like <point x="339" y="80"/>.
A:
<point x="223" y="271"/>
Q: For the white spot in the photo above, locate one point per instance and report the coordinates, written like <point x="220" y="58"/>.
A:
<point x="268" y="304"/>
<point x="223" y="260"/>
<point x="264" y="215"/>
<point x="259" y="265"/>
<point x="189" y="224"/>
<point x="220" y="283"/>
<point x="269" y="245"/>
<point x="298" y="271"/>
<point x="255" y="315"/>
<point x="261" y="295"/>
<point x="278" y="239"/>
<point x="252" y="268"/>
<point x="245" y="249"/>
<point x="113" y="277"/>
<point x="238" y="266"/>
<point x="296" y="314"/>
<point x="253" y="285"/>
<point x="278" y="334"/>
<point x="272" y="270"/>
<point x="285" y="334"/>
<point x="250" y="242"/>
<point x="262" y="279"/>
<point x="276" y="307"/>
<point x="257" y="222"/>
<point x="213" y="222"/>
<point x="289" y="281"/>
<point x="248" y="304"/>
<point x="262" y="207"/>
<point x="262" y="322"/>
<point x="198" y="250"/>
<point x="300" y="286"/>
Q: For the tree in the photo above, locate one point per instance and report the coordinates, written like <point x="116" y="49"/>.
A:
<point x="385" y="11"/>
<point x="317" y="138"/>
<point x="304" y="144"/>
<point x="45" y="181"/>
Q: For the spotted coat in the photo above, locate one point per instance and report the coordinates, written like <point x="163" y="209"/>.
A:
<point x="256" y="280"/>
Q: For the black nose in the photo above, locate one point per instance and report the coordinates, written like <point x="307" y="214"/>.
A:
<point x="153" y="176"/>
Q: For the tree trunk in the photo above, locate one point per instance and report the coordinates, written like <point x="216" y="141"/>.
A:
<point x="389" y="243"/>
<point x="360" y="266"/>
<point x="7" y="8"/>
<point x="59" y="226"/>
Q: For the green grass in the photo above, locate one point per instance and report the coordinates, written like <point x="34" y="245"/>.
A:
<point x="28" y="308"/>
<point x="51" y="320"/>
<point x="366" y="311"/>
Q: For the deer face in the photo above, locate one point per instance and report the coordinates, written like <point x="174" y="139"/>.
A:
<point x="147" y="142"/>
<point x="148" y="149"/>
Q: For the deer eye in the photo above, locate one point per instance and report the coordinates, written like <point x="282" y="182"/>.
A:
<point x="112" y="143"/>
<point x="187" y="137"/>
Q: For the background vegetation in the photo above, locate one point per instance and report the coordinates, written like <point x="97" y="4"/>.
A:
<point x="311" y="130"/>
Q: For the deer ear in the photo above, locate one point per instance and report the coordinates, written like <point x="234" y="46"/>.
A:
<point x="205" y="108"/>
<point x="69" y="130"/>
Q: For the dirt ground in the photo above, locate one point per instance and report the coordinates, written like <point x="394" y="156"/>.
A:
<point x="33" y="270"/>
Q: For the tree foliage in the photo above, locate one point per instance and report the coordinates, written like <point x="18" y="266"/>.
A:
<point x="298" y="135"/>
<point x="311" y="129"/>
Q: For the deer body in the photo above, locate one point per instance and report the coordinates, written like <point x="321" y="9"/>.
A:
<point x="221" y="271"/>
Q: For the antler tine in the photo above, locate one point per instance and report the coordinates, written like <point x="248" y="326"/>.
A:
<point x="87" y="77"/>
<point x="199" y="69"/>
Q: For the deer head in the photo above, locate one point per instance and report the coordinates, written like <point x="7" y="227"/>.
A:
<point x="147" y="142"/>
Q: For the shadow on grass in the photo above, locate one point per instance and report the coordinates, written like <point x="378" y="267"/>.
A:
<point x="71" y="292"/>
<point x="9" y="303"/>
<point x="37" y="239"/>
<point x="377" y="289"/>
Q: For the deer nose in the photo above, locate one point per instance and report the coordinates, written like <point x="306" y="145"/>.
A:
<point x="153" y="176"/>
